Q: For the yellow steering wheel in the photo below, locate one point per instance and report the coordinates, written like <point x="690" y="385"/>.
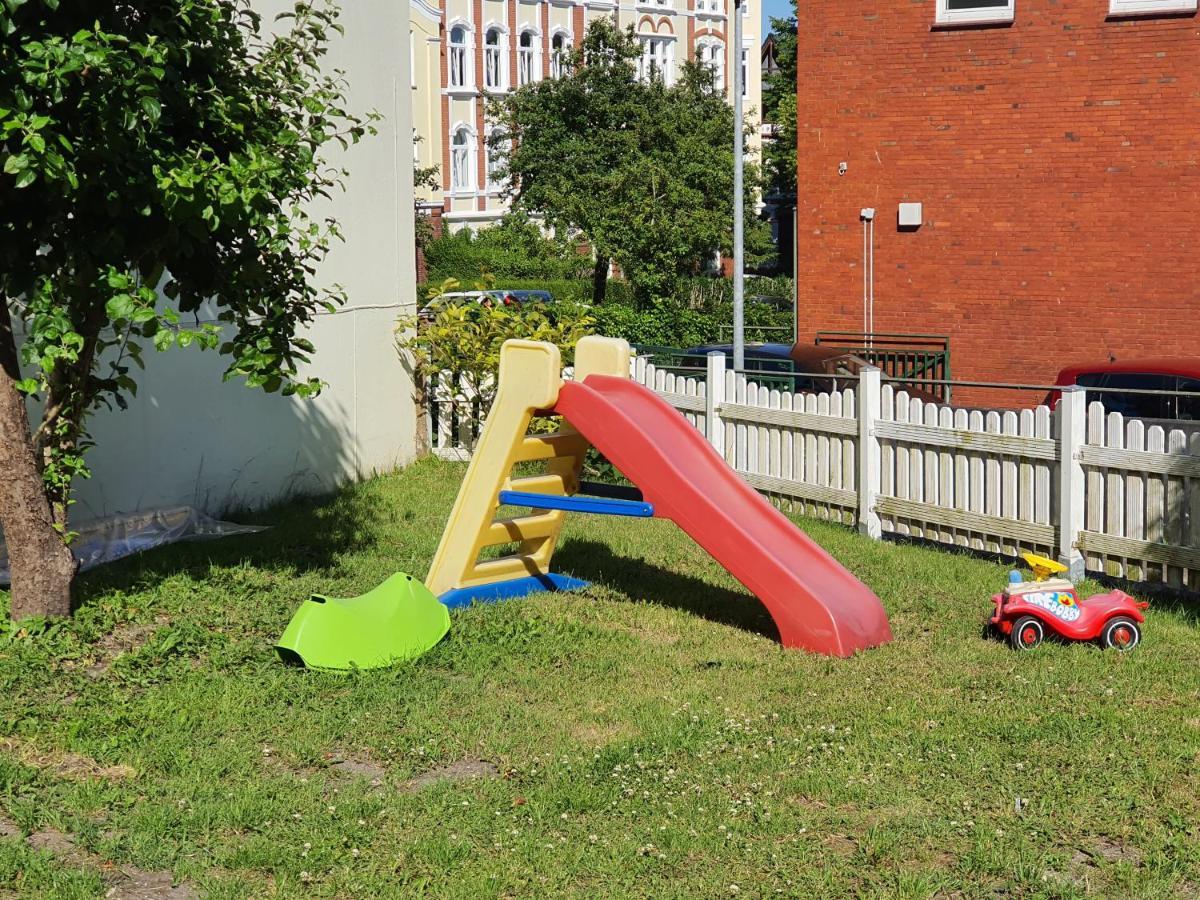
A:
<point x="1042" y="566"/>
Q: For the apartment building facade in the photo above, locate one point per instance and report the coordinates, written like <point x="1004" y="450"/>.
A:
<point x="486" y="48"/>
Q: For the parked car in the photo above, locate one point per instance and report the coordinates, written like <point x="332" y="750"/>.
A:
<point x="524" y="296"/>
<point x="1139" y="375"/>
<point x="486" y="298"/>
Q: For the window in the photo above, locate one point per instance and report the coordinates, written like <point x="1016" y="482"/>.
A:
<point x="527" y="69"/>
<point x="712" y="56"/>
<point x="493" y="60"/>
<point x="494" y="157"/>
<point x="458" y="57"/>
<point x="1149" y="7"/>
<point x="1137" y="406"/>
<point x="745" y="73"/>
<point x="657" y="55"/>
<point x="558" y="55"/>
<point x="965" y="12"/>
<point x="462" y="172"/>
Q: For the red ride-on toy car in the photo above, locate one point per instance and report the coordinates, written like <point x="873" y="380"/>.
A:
<point x="1027" y="610"/>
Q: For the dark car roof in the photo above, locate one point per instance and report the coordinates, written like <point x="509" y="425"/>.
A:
<point x="762" y="351"/>
<point x="1185" y="366"/>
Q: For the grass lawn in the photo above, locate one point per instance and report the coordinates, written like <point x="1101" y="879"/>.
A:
<point x="647" y="737"/>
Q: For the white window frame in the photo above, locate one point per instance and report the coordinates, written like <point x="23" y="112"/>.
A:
<point x="980" y="15"/>
<point x="665" y="63"/>
<point x="499" y="54"/>
<point x="467" y="167"/>
<point x="712" y="53"/>
<point x="529" y="59"/>
<point x="467" y="68"/>
<point x="558" y="58"/>
<point x="489" y="160"/>
<point x="1150" y="7"/>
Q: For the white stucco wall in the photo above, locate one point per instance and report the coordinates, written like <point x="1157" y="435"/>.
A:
<point x="189" y="438"/>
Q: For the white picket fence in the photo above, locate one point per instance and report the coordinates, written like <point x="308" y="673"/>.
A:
<point x="1088" y="488"/>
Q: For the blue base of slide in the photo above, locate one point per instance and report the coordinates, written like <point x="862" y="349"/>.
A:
<point x="510" y="590"/>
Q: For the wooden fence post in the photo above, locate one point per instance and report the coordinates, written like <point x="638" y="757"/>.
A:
<point x="714" y="395"/>
<point x="869" y="466"/>
<point x="1072" y="417"/>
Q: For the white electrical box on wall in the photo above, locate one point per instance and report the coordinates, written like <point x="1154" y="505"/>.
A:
<point x="910" y="215"/>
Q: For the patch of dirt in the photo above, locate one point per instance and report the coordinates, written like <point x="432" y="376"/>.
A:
<point x="135" y="884"/>
<point x="1084" y="866"/>
<point x="840" y="844"/>
<point x="122" y="639"/>
<point x="122" y="882"/>
<point x="460" y="770"/>
<point x="63" y="763"/>
<point x="1115" y="852"/>
<point x="344" y="769"/>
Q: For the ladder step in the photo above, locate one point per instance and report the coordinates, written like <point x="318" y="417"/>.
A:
<point x="550" y="446"/>
<point x="601" y="506"/>
<point x="499" y="569"/>
<point x="541" y="484"/>
<point x="521" y="528"/>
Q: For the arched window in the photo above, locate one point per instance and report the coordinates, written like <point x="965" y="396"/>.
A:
<point x="462" y="171"/>
<point x="527" y="58"/>
<point x="493" y="65"/>
<point x="458" y="57"/>
<point x="712" y="55"/>
<point x="496" y="147"/>
<point x="558" y="55"/>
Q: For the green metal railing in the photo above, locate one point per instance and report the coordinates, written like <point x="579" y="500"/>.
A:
<point x="917" y="361"/>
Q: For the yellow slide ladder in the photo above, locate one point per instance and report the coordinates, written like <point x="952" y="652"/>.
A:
<point x="529" y="382"/>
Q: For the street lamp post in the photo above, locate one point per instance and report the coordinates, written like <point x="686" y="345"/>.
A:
<point x="739" y="285"/>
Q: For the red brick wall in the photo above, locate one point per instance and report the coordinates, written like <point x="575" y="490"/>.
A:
<point x="1058" y="160"/>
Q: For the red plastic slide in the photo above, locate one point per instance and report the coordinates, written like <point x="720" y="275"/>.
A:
<point x="817" y="604"/>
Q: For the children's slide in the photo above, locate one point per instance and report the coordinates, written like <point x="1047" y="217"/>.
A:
<point x="816" y="604"/>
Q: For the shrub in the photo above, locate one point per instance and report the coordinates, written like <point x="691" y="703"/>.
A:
<point x="513" y="248"/>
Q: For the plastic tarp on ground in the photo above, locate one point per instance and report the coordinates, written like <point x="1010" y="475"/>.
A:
<point x="108" y="539"/>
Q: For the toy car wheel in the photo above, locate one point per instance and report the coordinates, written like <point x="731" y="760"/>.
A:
<point x="1120" y="633"/>
<point x="1027" y="633"/>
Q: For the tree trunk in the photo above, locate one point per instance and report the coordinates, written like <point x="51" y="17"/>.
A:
<point x="600" y="278"/>
<point x="40" y="564"/>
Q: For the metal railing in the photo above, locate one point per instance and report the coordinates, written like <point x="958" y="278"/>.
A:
<point x="917" y="361"/>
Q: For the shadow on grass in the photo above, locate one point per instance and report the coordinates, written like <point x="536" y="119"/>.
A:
<point x="304" y="535"/>
<point x="597" y="562"/>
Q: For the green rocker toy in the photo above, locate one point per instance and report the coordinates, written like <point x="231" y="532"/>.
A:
<point x="398" y="621"/>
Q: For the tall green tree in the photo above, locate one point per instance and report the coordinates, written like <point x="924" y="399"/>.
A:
<point x="158" y="161"/>
<point x="779" y="108"/>
<point x="643" y="170"/>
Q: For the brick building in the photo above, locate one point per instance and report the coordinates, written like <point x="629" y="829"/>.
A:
<point x="1055" y="148"/>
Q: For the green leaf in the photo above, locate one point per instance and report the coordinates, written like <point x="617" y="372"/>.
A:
<point x="152" y="108"/>
<point x="120" y="307"/>
<point x="27" y="385"/>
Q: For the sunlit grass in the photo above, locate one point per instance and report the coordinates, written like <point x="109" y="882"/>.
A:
<point x="646" y="737"/>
